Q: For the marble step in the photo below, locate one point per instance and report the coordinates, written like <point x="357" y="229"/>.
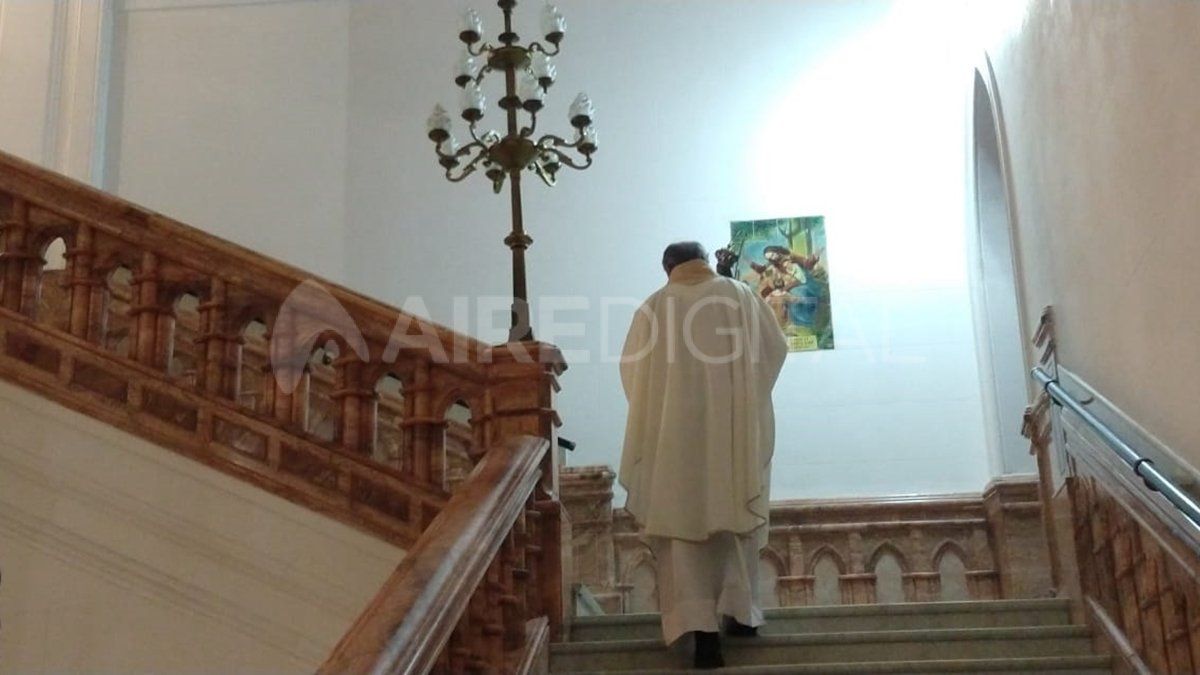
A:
<point x="836" y="647"/>
<point x="839" y="618"/>
<point x="1043" y="665"/>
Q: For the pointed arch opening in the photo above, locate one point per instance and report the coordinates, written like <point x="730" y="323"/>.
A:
<point x="995" y="275"/>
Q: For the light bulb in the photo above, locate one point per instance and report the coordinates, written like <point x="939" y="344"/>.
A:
<point x="473" y="100"/>
<point x="438" y="119"/>
<point x="541" y="66"/>
<point x="588" y="142"/>
<point x="438" y="124"/>
<point x="582" y="111"/>
<point x="553" y="23"/>
<point x="529" y="89"/>
<point x="467" y="67"/>
<point x="472" y="26"/>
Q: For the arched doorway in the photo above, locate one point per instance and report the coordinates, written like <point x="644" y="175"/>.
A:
<point x="997" y="308"/>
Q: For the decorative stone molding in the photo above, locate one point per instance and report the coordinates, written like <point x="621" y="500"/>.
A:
<point x="839" y="551"/>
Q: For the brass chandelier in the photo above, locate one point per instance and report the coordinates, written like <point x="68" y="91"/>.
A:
<point x="529" y="72"/>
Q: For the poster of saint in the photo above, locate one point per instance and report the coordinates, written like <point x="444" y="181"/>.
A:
<point x="785" y="260"/>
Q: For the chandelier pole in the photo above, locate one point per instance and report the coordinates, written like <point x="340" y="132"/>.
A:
<point x="518" y="241"/>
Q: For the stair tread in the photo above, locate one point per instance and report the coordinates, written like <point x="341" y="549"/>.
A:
<point x="919" y="635"/>
<point x="901" y="608"/>
<point x="1014" y="664"/>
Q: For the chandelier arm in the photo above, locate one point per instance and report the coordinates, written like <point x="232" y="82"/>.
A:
<point x="484" y="48"/>
<point x="556" y="141"/>
<point x="483" y="142"/>
<point x="484" y="70"/>
<point x="526" y="132"/>
<point x="467" y="169"/>
<point x="539" y="47"/>
<point x="567" y="161"/>
<point x="461" y="152"/>
<point x="546" y="176"/>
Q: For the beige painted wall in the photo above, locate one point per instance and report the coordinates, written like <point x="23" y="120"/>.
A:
<point x="231" y="116"/>
<point x="119" y="556"/>
<point x="1102" y="112"/>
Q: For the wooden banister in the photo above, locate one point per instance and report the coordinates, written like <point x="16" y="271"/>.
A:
<point x="247" y="364"/>
<point x="472" y="574"/>
<point x="1141" y="581"/>
<point x="1138" y="556"/>
<point x="192" y="254"/>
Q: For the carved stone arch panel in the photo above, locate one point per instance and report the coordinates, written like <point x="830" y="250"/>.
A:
<point x="825" y="551"/>
<point x="771" y="566"/>
<point x="950" y="561"/>
<point x="889" y="565"/>
<point x="639" y="582"/>
<point x="826" y="567"/>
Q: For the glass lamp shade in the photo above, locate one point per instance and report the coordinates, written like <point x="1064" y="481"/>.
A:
<point x="466" y="69"/>
<point x="587" y="140"/>
<point x="449" y="149"/>
<point x="553" y="23"/>
<point x="542" y="67"/>
<point x="472" y="27"/>
<point x="582" y="111"/>
<point x="529" y="89"/>
<point x="474" y="105"/>
<point x="438" y="124"/>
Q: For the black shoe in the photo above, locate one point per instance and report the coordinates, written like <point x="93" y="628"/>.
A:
<point x="708" y="651"/>
<point x="735" y="628"/>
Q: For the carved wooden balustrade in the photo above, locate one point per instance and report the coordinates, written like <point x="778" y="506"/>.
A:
<point x="170" y="333"/>
<point x="1138" y="559"/>
<point x="474" y="593"/>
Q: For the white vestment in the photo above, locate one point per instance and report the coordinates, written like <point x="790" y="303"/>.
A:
<point x="698" y="367"/>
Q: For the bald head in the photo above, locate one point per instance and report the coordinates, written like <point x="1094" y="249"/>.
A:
<point x="681" y="252"/>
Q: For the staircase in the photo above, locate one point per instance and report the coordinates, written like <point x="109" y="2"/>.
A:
<point x="999" y="636"/>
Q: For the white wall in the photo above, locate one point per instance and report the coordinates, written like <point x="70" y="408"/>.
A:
<point x="1100" y="102"/>
<point x="709" y="113"/>
<point x="232" y="117"/>
<point x="120" y="556"/>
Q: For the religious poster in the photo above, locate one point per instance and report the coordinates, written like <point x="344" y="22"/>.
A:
<point x="784" y="259"/>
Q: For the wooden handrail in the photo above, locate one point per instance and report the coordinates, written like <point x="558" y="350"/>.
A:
<point x="409" y="622"/>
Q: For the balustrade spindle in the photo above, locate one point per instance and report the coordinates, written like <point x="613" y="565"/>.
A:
<point x="219" y="373"/>
<point x="80" y="256"/>
<point x="145" y="312"/>
<point x="357" y="404"/>
<point x="15" y="256"/>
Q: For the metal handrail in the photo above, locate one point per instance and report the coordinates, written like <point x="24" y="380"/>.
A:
<point x="1142" y="466"/>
